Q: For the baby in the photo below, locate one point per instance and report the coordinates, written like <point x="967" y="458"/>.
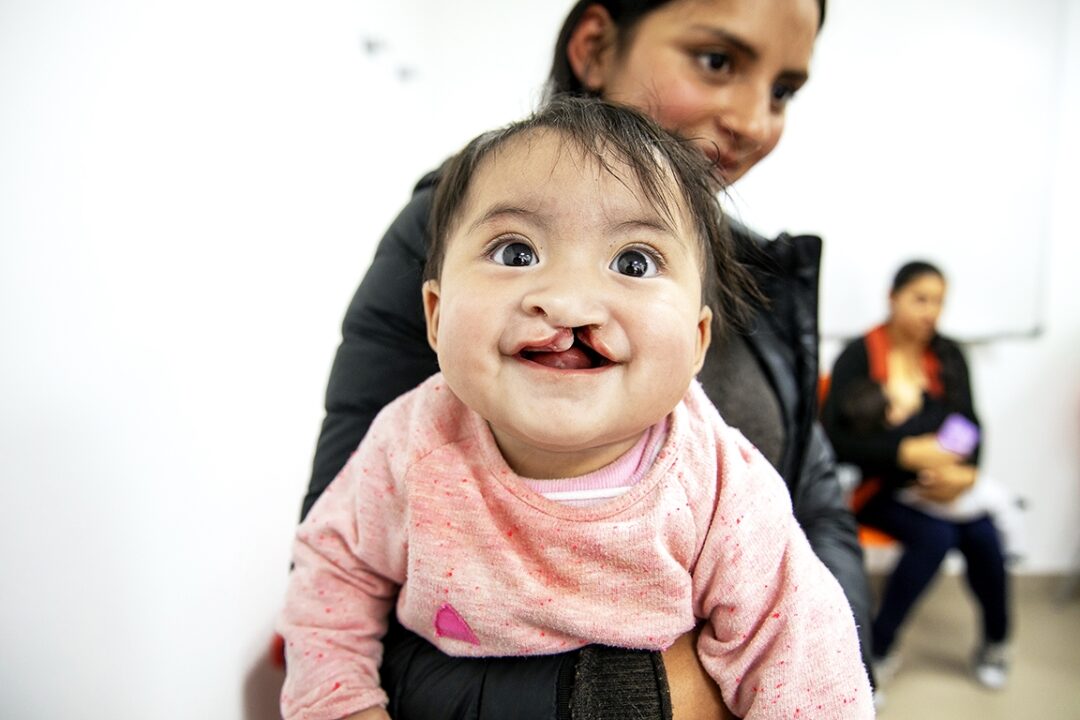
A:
<point x="564" y="480"/>
<point x="867" y="408"/>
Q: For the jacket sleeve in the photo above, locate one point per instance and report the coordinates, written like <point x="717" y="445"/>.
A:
<point x="384" y="350"/>
<point x="823" y="513"/>
<point x="349" y="561"/>
<point x="781" y="640"/>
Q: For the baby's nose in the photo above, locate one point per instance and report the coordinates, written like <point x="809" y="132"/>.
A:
<point x="567" y="303"/>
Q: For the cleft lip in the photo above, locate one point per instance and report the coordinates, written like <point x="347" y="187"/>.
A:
<point x="589" y="341"/>
<point x="560" y="341"/>
<point x="582" y="341"/>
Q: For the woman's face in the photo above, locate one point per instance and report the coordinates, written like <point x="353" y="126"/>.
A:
<point x="720" y="72"/>
<point x="916" y="307"/>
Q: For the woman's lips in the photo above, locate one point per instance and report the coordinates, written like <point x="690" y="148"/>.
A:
<point x="724" y="164"/>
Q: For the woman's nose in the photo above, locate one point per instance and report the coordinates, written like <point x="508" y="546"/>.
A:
<point x="747" y="115"/>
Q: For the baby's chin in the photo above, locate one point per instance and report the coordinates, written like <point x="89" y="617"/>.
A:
<point x="561" y="452"/>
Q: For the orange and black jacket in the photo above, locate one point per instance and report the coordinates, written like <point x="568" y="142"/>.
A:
<point x="875" y="453"/>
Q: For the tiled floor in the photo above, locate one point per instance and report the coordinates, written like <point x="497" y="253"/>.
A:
<point x="934" y="680"/>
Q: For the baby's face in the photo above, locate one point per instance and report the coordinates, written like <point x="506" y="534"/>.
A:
<point x="569" y="310"/>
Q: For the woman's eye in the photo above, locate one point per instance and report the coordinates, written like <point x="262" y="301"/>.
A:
<point x="714" y="62"/>
<point x="514" y="253"/>
<point x="783" y="94"/>
<point x="635" y="263"/>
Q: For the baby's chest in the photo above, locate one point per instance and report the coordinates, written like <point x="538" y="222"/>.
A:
<point x="490" y="584"/>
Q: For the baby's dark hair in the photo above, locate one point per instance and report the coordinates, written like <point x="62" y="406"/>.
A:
<point x="612" y="134"/>
<point x="863" y="406"/>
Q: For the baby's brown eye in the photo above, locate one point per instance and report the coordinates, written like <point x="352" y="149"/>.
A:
<point x="515" y="254"/>
<point x="634" y="263"/>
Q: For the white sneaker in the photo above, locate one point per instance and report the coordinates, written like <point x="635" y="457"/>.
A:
<point x="991" y="665"/>
<point x="885" y="668"/>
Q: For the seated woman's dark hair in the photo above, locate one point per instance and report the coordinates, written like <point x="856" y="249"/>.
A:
<point x="625" y="14"/>
<point x="611" y="134"/>
<point x="911" y="271"/>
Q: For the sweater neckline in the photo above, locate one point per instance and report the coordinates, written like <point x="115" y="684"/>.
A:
<point x="517" y="486"/>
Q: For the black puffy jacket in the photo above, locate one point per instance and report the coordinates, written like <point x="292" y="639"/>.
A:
<point x="384" y="353"/>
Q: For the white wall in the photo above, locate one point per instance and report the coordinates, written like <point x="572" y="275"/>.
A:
<point x="1026" y="386"/>
<point x="189" y="193"/>
<point x="924" y="145"/>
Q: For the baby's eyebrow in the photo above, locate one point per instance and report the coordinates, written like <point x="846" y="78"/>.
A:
<point x="655" y="224"/>
<point x="648" y="222"/>
<point x="501" y="211"/>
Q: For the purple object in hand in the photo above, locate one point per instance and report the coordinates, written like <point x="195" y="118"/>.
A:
<point x="958" y="434"/>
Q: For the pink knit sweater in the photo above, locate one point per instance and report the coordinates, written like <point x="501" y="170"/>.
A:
<point x="427" y="514"/>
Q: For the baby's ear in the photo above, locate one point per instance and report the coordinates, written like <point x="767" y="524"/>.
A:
<point x="430" y="292"/>
<point x="704" y="332"/>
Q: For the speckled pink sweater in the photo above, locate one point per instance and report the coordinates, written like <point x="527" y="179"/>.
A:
<point x="427" y="513"/>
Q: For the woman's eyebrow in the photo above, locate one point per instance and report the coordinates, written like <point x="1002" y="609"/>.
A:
<point x="742" y="46"/>
<point x="728" y="39"/>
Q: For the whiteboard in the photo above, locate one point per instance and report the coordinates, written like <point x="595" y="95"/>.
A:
<point x="928" y="130"/>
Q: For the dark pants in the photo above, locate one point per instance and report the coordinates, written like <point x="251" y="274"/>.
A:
<point x="926" y="541"/>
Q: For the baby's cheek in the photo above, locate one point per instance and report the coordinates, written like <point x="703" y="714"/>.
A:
<point x="462" y="326"/>
<point x="469" y="352"/>
<point x="672" y="339"/>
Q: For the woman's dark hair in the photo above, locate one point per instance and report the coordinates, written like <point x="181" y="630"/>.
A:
<point x="617" y="138"/>
<point x="625" y="14"/>
<point x="912" y="271"/>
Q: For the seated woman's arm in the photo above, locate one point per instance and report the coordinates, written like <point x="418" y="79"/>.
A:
<point x="946" y="483"/>
<point x="944" y="476"/>
<point x="878" y="453"/>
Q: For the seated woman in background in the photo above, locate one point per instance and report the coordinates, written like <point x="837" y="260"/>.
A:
<point x="865" y="409"/>
<point x="917" y="446"/>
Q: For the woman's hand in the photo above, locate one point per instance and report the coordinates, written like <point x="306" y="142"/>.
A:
<point x="945" y="483"/>
<point x="694" y="694"/>
<point x="924" y="452"/>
